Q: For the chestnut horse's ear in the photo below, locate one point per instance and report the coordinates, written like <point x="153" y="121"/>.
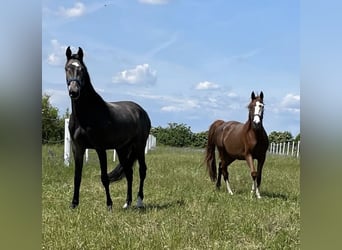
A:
<point x="261" y="95"/>
<point x="253" y="95"/>
<point x="68" y="53"/>
<point x="80" y="53"/>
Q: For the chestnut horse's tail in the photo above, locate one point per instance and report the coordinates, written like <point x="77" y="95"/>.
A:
<point x="210" y="151"/>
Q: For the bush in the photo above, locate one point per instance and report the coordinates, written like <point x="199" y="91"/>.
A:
<point x="52" y="124"/>
<point x="179" y="135"/>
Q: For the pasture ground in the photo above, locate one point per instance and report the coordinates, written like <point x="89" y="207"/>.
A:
<point x="183" y="209"/>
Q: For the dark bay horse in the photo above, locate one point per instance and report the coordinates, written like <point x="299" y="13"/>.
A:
<point x="238" y="141"/>
<point x="101" y="125"/>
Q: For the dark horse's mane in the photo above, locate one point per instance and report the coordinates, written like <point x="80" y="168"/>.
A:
<point x="95" y="123"/>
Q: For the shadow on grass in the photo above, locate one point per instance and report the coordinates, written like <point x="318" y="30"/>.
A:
<point x="273" y="195"/>
<point x="264" y="194"/>
<point x="162" y="206"/>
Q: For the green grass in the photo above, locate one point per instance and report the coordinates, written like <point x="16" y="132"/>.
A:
<point x="183" y="208"/>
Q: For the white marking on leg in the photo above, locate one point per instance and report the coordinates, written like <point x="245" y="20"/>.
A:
<point x="255" y="189"/>
<point x="125" y="206"/>
<point x="257" y="193"/>
<point x="140" y="203"/>
<point x="228" y="188"/>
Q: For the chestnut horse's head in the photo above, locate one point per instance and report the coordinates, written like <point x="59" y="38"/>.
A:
<point x="256" y="110"/>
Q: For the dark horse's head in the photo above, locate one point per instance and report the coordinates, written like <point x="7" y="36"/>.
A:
<point x="76" y="72"/>
<point x="256" y="110"/>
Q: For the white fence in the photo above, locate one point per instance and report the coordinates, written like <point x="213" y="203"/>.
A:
<point x="285" y="148"/>
<point x="151" y="143"/>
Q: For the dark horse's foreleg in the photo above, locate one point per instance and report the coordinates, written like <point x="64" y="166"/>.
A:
<point x="142" y="174"/>
<point x="128" y="168"/>
<point x="104" y="177"/>
<point x="78" y="156"/>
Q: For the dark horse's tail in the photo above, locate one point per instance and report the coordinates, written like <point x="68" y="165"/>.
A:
<point x="210" y="151"/>
<point x="116" y="174"/>
<point x="144" y="127"/>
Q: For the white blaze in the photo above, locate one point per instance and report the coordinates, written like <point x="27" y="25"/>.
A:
<point x="75" y="64"/>
<point x="257" y="112"/>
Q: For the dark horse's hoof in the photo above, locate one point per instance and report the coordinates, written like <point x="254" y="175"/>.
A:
<point x="73" y="206"/>
<point x="110" y="209"/>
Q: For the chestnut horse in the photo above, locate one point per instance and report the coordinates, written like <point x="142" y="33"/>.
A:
<point x="239" y="141"/>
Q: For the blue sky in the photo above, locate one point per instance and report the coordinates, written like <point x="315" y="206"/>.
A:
<point x="188" y="61"/>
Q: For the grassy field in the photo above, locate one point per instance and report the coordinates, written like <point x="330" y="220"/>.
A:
<point x="183" y="208"/>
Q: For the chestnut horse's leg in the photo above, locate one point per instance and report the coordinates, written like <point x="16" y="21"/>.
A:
<point x="219" y="174"/>
<point x="224" y="168"/>
<point x="104" y="177"/>
<point x="254" y="174"/>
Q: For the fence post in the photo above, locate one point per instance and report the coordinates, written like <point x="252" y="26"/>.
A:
<point x="283" y="148"/>
<point x="273" y="147"/>
<point x="86" y="155"/>
<point x="66" y="142"/>
<point x="114" y="155"/>
<point x="298" y="149"/>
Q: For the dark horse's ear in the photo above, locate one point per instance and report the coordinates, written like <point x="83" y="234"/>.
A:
<point x="253" y="95"/>
<point x="68" y="53"/>
<point x="80" y="53"/>
<point x="261" y="95"/>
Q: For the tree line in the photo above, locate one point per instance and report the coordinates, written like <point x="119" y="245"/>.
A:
<point x="179" y="135"/>
<point x="174" y="134"/>
<point x="52" y="122"/>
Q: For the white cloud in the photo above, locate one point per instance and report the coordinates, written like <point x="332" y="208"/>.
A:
<point x="154" y="1"/>
<point x="57" y="56"/>
<point x="232" y="94"/>
<point x="162" y="46"/>
<point x="244" y="56"/>
<point x="206" y="85"/>
<point x="291" y="102"/>
<point x="140" y="75"/>
<point x="181" y="105"/>
<point x="170" y="109"/>
<point x="170" y="103"/>
<point x="78" y="10"/>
